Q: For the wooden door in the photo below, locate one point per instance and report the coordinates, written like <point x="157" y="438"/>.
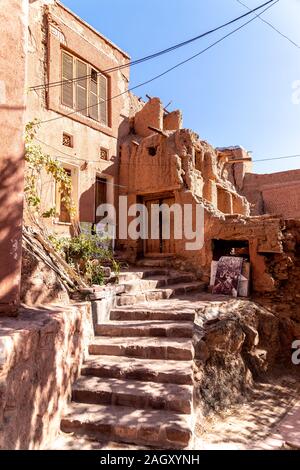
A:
<point x="160" y="246"/>
<point x="100" y="196"/>
<point x="168" y="245"/>
<point x="152" y="246"/>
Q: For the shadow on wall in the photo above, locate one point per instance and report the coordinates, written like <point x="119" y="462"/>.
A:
<point x="46" y="353"/>
<point x="11" y="186"/>
<point x="39" y="283"/>
<point x="87" y="199"/>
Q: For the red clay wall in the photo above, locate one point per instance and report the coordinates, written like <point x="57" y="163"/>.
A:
<point x="275" y="193"/>
<point x="40" y="357"/>
<point x="52" y="28"/>
<point x="13" y="26"/>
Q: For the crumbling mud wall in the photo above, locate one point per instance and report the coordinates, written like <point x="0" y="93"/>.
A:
<point x="284" y="300"/>
<point x="238" y="342"/>
<point x="41" y="353"/>
<point x="273" y="193"/>
<point x="158" y="162"/>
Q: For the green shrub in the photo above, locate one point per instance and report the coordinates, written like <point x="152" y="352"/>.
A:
<point x="86" y="253"/>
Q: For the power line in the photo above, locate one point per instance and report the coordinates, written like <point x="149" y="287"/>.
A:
<point x="271" y="26"/>
<point x="72" y="157"/>
<point x="156" y="54"/>
<point x="276" y="158"/>
<point x="266" y="159"/>
<point x="161" y="74"/>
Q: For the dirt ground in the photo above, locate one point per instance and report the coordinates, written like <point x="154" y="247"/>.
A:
<point x="254" y="424"/>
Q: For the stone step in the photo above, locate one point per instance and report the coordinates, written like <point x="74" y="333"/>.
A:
<point x="143" y="285"/>
<point x="143" y="314"/>
<point x="140" y="329"/>
<point x="163" y="262"/>
<point x="160" y="429"/>
<point x="162" y="293"/>
<point x="176" y="372"/>
<point x="135" y="394"/>
<point x="156" y="282"/>
<point x="132" y="275"/>
<point x="148" y="348"/>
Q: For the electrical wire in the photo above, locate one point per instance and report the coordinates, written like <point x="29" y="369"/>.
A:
<point x="271" y="25"/>
<point x="156" y="54"/>
<point x="285" y="157"/>
<point x="161" y="74"/>
<point x="266" y="159"/>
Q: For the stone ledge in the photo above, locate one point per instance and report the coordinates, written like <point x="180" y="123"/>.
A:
<point x="41" y="353"/>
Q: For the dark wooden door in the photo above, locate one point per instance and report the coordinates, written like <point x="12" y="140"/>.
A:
<point x="159" y="246"/>
<point x="100" y="196"/>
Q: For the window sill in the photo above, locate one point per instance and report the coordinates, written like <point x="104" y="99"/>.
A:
<point x="81" y="118"/>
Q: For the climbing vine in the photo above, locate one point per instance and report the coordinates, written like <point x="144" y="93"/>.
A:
<point x="38" y="162"/>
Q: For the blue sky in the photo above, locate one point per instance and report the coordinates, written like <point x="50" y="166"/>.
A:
<point x="237" y="93"/>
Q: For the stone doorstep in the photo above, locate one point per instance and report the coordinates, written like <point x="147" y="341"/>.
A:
<point x="142" y="314"/>
<point x="140" y="329"/>
<point x="141" y="274"/>
<point x="175" y="372"/>
<point x="156" y="282"/>
<point x="133" y="393"/>
<point x="164" y="429"/>
<point x="161" y="294"/>
<point x="148" y="348"/>
<point x="155" y="263"/>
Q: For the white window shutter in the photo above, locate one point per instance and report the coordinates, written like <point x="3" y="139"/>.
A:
<point x="94" y="96"/>
<point x="67" y="95"/>
<point x="81" y="87"/>
<point x="103" y="99"/>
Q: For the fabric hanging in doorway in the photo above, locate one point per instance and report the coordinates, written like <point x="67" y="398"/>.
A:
<point x="228" y="276"/>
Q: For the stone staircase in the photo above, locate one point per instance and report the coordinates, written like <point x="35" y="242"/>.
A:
<point x="137" y="385"/>
<point x="151" y="283"/>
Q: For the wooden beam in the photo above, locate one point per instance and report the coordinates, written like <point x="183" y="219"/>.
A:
<point x="158" y="131"/>
<point x="241" y="160"/>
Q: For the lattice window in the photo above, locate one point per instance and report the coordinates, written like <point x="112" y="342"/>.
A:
<point x="104" y="154"/>
<point x="67" y="140"/>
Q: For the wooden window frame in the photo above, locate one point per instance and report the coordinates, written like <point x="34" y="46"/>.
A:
<point x="75" y="188"/>
<point x="89" y="90"/>
<point x="106" y="150"/>
<point x="65" y="134"/>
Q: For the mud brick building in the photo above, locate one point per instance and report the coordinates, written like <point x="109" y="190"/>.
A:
<point x="272" y="193"/>
<point x="85" y="120"/>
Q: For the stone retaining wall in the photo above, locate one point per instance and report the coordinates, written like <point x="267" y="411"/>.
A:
<point x="41" y="353"/>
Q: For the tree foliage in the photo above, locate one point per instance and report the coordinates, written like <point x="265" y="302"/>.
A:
<point x="38" y="162"/>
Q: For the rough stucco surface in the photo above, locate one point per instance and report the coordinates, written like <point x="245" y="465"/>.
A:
<point x="193" y="172"/>
<point x="40" y="285"/>
<point x="40" y="357"/>
<point x="236" y="342"/>
<point x="52" y="28"/>
<point x="13" y="26"/>
<point x="275" y="193"/>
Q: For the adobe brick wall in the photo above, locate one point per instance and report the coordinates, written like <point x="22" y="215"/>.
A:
<point x="275" y="193"/>
<point x="40" y="358"/>
<point x="53" y="27"/>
